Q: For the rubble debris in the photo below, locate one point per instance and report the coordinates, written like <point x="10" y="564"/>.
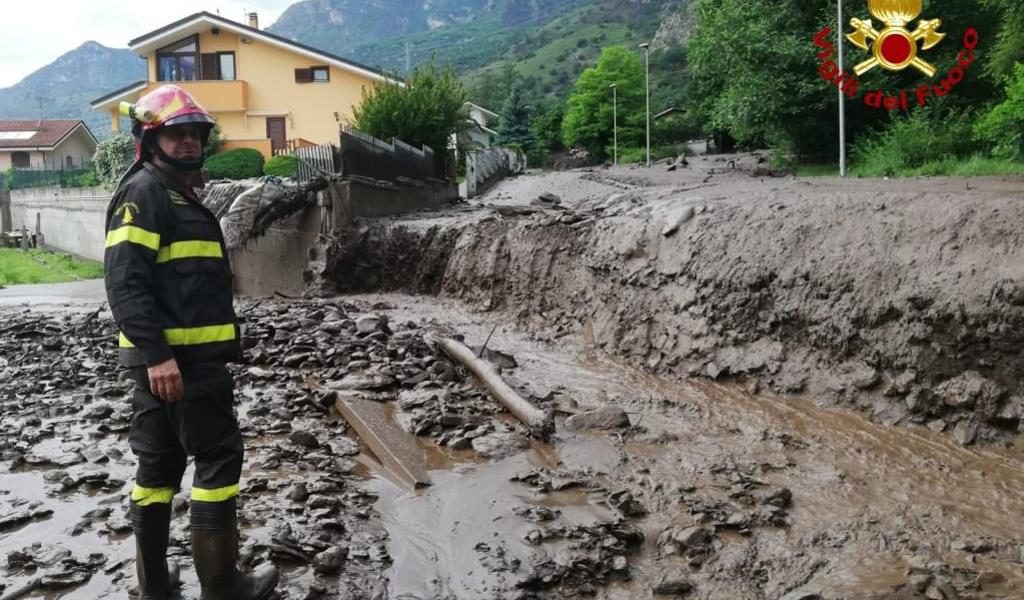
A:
<point x="539" y="422"/>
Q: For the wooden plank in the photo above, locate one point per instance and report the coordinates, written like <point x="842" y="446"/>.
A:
<point x="396" y="449"/>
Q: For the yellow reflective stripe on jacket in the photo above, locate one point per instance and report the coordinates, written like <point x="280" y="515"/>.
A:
<point x="135" y="235"/>
<point x="218" y="495"/>
<point x="190" y="336"/>
<point x="189" y="249"/>
<point x="144" y="496"/>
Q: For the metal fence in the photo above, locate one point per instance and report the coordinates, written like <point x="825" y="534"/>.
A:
<point x="366" y="156"/>
<point x="41" y="176"/>
<point x="313" y="161"/>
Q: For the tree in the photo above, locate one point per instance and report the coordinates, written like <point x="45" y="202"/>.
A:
<point x="426" y="110"/>
<point x="1002" y="128"/>
<point x="589" y="114"/>
<point x="755" y="76"/>
<point x="515" y="122"/>
<point x="113" y="157"/>
<point x="1009" y="46"/>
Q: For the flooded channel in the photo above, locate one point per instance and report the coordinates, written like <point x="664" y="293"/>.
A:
<point x="710" y="488"/>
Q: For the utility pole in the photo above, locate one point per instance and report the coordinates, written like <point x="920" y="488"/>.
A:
<point x="615" y="122"/>
<point x="647" y="70"/>
<point x="842" y="97"/>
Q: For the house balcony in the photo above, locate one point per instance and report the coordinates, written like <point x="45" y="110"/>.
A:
<point x="214" y="96"/>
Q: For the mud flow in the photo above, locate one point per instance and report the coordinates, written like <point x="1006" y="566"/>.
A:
<point x="731" y="423"/>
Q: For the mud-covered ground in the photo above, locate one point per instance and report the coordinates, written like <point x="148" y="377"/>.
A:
<point x="695" y="490"/>
<point x="902" y="299"/>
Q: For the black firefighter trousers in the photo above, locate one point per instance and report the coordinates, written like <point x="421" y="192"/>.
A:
<point x="202" y="424"/>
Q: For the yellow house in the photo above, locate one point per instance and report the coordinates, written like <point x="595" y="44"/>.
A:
<point x="266" y="92"/>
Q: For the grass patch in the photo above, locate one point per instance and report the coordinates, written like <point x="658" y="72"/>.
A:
<point x="630" y="156"/>
<point x="975" y="166"/>
<point x="40" y="266"/>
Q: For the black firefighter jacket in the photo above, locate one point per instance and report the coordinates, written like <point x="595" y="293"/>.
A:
<point x="167" y="275"/>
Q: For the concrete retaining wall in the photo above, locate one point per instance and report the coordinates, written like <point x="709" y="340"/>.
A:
<point x="356" y="199"/>
<point x="70" y="219"/>
<point x="484" y="168"/>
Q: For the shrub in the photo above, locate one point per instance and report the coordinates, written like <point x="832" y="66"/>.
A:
<point x="1002" y="128"/>
<point x="241" y="163"/>
<point x="113" y="157"/>
<point x="913" y="141"/>
<point x="87" y="179"/>
<point x="280" y="166"/>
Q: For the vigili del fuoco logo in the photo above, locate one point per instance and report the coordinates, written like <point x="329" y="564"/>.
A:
<point x="894" y="48"/>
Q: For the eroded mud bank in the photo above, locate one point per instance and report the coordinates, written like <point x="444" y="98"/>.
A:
<point x="908" y="306"/>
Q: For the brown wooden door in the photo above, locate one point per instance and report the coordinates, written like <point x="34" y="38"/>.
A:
<point x="277" y="134"/>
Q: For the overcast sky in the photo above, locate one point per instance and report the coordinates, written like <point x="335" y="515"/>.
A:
<point x="33" y="33"/>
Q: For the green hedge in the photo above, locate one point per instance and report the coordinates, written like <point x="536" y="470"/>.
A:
<point x="17" y="179"/>
<point x="280" y="166"/>
<point x="241" y="163"/>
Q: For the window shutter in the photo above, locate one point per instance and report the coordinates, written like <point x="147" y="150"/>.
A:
<point x="303" y="75"/>
<point x="211" y="67"/>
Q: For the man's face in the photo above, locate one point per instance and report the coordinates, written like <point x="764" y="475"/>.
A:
<point x="182" y="142"/>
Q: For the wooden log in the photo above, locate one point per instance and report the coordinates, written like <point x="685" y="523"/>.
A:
<point x="539" y="422"/>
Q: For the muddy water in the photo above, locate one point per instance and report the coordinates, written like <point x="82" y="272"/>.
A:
<point x="868" y="499"/>
<point x="869" y="502"/>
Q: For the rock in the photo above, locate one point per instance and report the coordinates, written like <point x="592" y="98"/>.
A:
<point x="367" y="324"/>
<point x="778" y="497"/>
<point x="500" y="444"/>
<point x="305" y="439"/>
<point x="98" y="514"/>
<point x="297" y="492"/>
<point x="677" y="221"/>
<point x="363" y="382"/>
<point x="549" y="198"/>
<point x="605" y="418"/>
<point x="98" y="411"/>
<point x="330" y="561"/>
<point x="966" y="433"/>
<point x="802" y="596"/>
<point x="692" y="536"/>
<point x="673" y="587"/>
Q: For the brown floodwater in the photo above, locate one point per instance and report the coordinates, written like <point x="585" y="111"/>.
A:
<point x="879" y="492"/>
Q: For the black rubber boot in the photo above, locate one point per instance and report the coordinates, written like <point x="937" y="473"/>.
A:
<point x="215" y="550"/>
<point x="151" y="525"/>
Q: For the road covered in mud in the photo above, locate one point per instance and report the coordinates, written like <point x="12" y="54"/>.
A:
<point x="650" y="487"/>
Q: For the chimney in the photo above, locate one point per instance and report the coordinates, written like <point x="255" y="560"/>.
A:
<point x="254" y="20"/>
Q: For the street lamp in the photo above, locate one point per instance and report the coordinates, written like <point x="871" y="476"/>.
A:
<point x="647" y="70"/>
<point x="842" y="98"/>
<point x="615" y="121"/>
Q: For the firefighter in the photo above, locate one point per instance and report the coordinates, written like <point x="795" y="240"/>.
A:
<point x="169" y="286"/>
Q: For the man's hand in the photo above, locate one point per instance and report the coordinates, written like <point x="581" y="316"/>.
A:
<point x="165" y="381"/>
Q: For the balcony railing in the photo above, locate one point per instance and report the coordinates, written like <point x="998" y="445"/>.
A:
<point x="214" y="96"/>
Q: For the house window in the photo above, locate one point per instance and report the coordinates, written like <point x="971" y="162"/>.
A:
<point x="227" y="65"/>
<point x="218" y="66"/>
<point x="69" y="162"/>
<point x="178" y="62"/>
<point x="312" y="74"/>
<point x="20" y="160"/>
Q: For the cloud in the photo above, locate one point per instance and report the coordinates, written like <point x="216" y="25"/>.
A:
<point x="34" y="33"/>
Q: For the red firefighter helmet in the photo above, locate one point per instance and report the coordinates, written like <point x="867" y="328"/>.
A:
<point x="166" y="106"/>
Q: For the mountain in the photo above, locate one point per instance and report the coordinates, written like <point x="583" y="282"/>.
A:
<point x="341" y="26"/>
<point x="548" y="42"/>
<point x="64" y="88"/>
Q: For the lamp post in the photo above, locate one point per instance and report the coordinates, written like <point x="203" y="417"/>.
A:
<point x="842" y="98"/>
<point x="615" y="122"/>
<point x="647" y="70"/>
